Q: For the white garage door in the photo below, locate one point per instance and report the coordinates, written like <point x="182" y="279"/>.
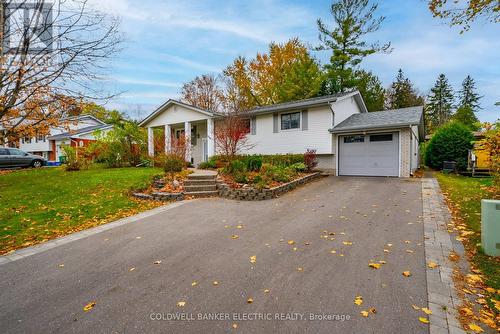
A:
<point x="374" y="154"/>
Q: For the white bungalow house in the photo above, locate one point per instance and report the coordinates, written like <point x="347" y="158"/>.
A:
<point x="348" y="139"/>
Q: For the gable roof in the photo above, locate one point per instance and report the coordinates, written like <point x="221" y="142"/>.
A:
<point x="83" y="117"/>
<point x="170" y="102"/>
<point x="311" y="102"/>
<point x="383" y="119"/>
<point x="79" y="132"/>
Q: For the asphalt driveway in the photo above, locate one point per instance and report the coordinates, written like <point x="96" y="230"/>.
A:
<point x="288" y="282"/>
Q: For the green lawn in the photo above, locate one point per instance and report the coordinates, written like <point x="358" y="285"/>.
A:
<point x="36" y="205"/>
<point x="466" y="193"/>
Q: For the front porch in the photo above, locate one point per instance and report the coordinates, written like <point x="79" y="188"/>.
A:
<point x="196" y="138"/>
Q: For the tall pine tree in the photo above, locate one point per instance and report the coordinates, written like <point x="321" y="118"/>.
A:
<point x="352" y="21"/>
<point x="402" y="93"/>
<point x="468" y="97"/>
<point x="439" y="103"/>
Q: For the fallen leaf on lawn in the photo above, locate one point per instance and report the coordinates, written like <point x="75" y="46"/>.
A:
<point x="194" y="283"/>
<point x="291" y="242"/>
<point x="215" y="283"/>
<point x="250" y="300"/>
<point x="374" y="265"/>
<point x="424" y="320"/>
<point x="432" y="265"/>
<point x="347" y="243"/>
<point x="234" y="236"/>
<point x="426" y="310"/>
<point x="415" y="307"/>
<point x="157" y="262"/>
<point x="466" y="311"/>
<point x="358" y="300"/>
<point x="364" y="313"/>
<point x="89" y="306"/>
<point x="181" y="304"/>
<point x="406" y="273"/>
<point x="497" y="304"/>
<point x="475" y="328"/>
<point x="253" y="259"/>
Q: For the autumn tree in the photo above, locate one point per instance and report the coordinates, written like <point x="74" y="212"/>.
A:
<point x="464" y="13"/>
<point x="371" y="89"/>
<point x="109" y="116"/>
<point x="204" y="92"/>
<point x="439" y="107"/>
<point x="353" y="20"/>
<point x="51" y="57"/>
<point x="231" y="134"/>
<point x="467" y="95"/>
<point x="402" y="93"/>
<point x="287" y="72"/>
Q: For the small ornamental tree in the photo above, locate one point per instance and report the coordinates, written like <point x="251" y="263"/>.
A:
<point x="450" y="143"/>
<point x="491" y="144"/>
<point x="231" y="135"/>
<point x="310" y="159"/>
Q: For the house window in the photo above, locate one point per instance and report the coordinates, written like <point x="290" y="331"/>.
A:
<point x="382" y="137"/>
<point x="40" y="138"/>
<point x="27" y="140"/>
<point x="290" y="121"/>
<point x="354" y="139"/>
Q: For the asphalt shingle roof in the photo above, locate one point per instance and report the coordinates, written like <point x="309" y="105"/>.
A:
<point x="72" y="133"/>
<point x="297" y="104"/>
<point x="381" y="119"/>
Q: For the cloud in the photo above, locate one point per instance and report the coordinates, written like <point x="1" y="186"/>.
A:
<point x="188" y="63"/>
<point x="141" y="82"/>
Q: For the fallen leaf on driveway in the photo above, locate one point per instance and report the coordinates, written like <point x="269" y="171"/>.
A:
<point x="407" y="241"/>
<point x="409" y="251"/>
<point x="215" y="283"/>
<point x="406" y="273"/>
<point x="424" y="320"/>
<point x="415" y="307"/>
<point x="374" y="265"/>
<point x="138" y="237"/>
<point x="475" y="328"/>
<point x="132" y="269"/>
<point x="253" y="258"/>
<point x="194" y="283"/>
<point x="266" y="290"/>
<point x="61" y="265"/>
<point x="364" y="313"/>
<point x="432" y="265"/>
<point x="382" y="262"/>
<point x="347" y="243"/>
<point x="157" y="262"/>
<point x="239" y="226"/>
<point x="250" y="300"/>
<point x="300" y="269"/>
<point x="181" y="304"/>
<point x="235" y="326"/>
<point x="372" y="310"/>
<point x="358" y="300"/>
<point x="291" y="242"/>
<point x="389" y="245"/>
<point x="426" y="310"/>
<point x="234" y="236"/>
<point x="89" y="306"/>
<point x="333" y="251"/>
<point x="386" y="251"/>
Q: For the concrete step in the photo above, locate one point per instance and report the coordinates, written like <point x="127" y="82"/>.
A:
<point x="210" y="187"/>
<point x="196" y="182"/>
<point x="202" y="193"/>
<point x="201" y="177"/>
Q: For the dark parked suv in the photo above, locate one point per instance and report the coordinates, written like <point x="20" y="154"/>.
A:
<point x="13" y="157"/>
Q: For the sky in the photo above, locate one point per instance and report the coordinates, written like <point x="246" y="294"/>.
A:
<point x="167" y="43"/>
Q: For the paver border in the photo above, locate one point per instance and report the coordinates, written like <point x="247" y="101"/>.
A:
<point x="441" y="294"/>
<point x="36" y="249"/>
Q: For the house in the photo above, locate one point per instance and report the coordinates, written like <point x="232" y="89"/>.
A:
<point x="347" y="138"/>
<point x="73" y="131"/>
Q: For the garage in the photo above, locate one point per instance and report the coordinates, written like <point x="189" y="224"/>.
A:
<point x="372" y="154"/>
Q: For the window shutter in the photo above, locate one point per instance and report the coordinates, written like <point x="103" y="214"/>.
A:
<point x="275" y="122"/>
<point x="253" y="125"/>
<point x="305" y="120"/>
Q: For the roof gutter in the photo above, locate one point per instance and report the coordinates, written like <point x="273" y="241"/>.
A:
<point x="370" y="129"/>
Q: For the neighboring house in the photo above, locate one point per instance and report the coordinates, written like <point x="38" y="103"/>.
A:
<point x="75" y="131"/>
<point x="347" y="139"/>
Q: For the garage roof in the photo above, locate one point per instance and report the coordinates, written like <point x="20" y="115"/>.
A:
<point x="395" y="118"/>
<point x="78" y="132"/>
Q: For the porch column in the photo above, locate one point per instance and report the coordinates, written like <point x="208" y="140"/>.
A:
<point x="210" y="137"/>
<point x="187" y="137"/>
<point x="168" y="137"/>
<point x="151" y="142"/>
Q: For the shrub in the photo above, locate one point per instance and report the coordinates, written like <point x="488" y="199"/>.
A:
<point x="210" y="164"/>
<point x="449" y="143"/>
<point x="240" y="177"/>
<point x="75" y="159"/>
<point x="171" y="163"/>
<point x="299" y="167"/>
<point x="253" y="162"/>
<point x="278" y="173"/>
<point x="236" y="166"/>
<point x="283" y="159"/>
<point x="310" y="159"/>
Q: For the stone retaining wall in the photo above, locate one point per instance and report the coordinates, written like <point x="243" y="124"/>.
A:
<point x="252" y="194"/>
<point x="160" y="196"/>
